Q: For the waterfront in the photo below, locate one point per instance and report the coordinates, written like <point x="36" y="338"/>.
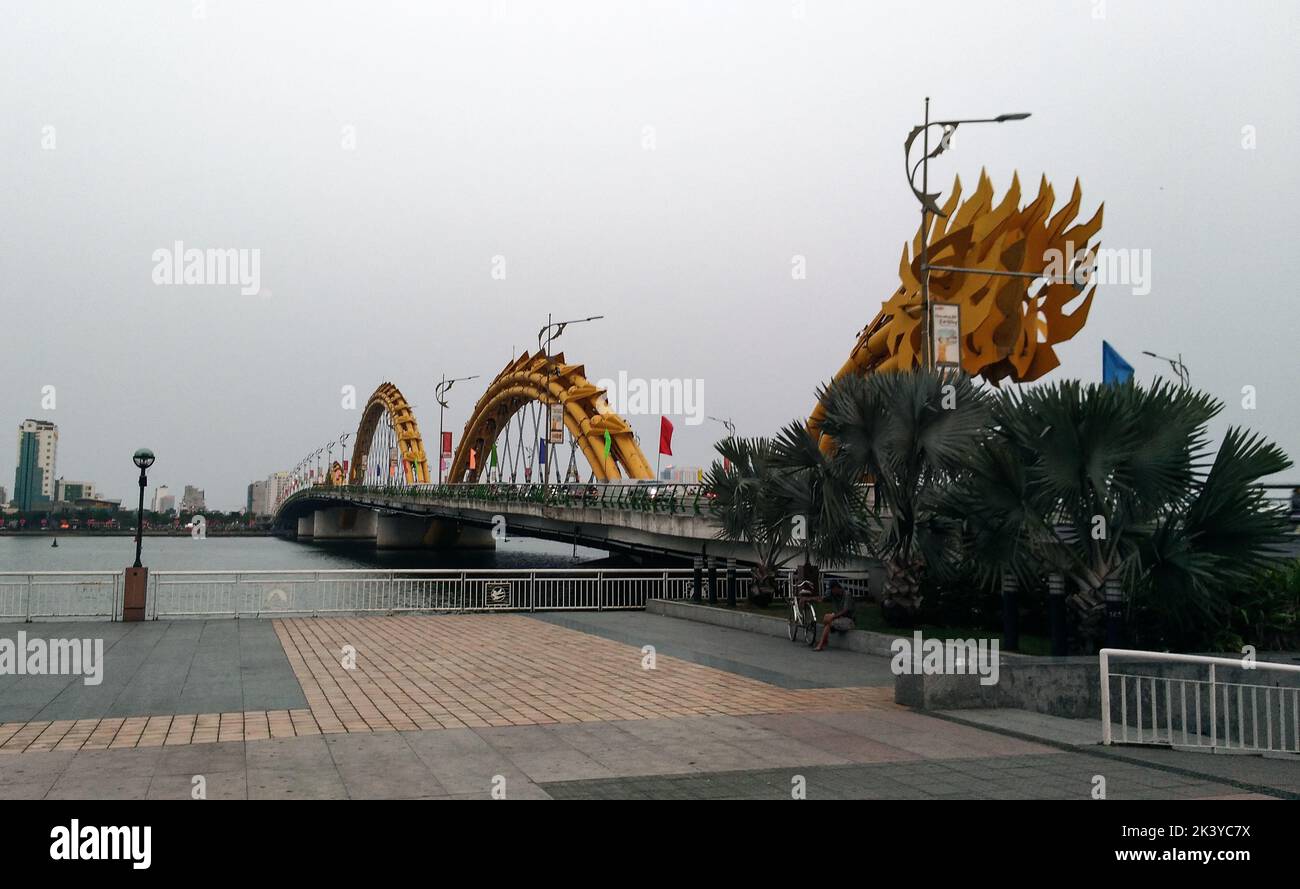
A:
<point x="95" y="553"/>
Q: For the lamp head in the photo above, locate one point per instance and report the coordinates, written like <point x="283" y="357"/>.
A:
<point x="1019" y="115"/>
<point x="143" y="458"/>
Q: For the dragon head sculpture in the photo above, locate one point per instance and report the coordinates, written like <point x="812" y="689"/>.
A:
<point x="1007" y="331"/>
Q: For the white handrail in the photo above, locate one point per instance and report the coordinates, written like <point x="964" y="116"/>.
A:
<point x="1212" y="689"/>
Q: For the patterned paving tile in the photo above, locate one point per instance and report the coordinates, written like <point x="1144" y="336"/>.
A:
<point x="452" y="671"/>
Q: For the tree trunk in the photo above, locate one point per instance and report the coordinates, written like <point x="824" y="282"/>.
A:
<point x="902" y="592"/>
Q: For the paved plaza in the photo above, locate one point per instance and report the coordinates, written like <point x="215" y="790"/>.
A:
<point x="572" y="705"/>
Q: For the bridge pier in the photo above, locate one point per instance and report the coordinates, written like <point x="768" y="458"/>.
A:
<point x="306" y="527"/>
<point x="345" y="523"/>
<point x="394" y="531"/>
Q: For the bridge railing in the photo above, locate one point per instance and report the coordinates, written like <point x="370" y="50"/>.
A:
<point x="198" y="594"/>
<point x="1195" y="701"/>
<point x="675" y="499"/>
<point x="60" y="595"/>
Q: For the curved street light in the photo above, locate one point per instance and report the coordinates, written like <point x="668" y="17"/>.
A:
<point x="1180" y="369"/>
<point x="552" y="332"/>
<point x="440" y="395"/>
<point x="929" y="201"/>
<point x="731" y="427"/>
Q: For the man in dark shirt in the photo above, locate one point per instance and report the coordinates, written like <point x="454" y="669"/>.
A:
<point x="840" y="617"/>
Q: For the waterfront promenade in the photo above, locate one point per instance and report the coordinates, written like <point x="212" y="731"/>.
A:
<point x="570" y="705"/>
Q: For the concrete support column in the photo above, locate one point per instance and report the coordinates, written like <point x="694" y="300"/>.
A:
<point x="418" y="532"/>
<point x="345" y="523"/>
<point x="306" y="527"/>
<point x="473" y="537"/>
<point x="1056" y="614"/>
<point x="1010" y="612"/>
<point x="403" y="532"/>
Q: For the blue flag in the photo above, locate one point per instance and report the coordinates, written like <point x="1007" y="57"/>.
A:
<point x="541" y="451"/>
<point x="1114" y="369"/>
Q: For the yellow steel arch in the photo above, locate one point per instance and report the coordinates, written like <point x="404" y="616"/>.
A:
<point x="1005" y="332"/>
<point x="587" y="417"/>
<point x="410" y="446"/>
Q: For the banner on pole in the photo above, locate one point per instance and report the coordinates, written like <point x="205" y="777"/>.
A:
<point x="946" y="329"/>
<point x="555" y="425"/>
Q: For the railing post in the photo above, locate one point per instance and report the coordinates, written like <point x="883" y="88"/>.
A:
<point x="27" y="617"/>
<point x="600" y="590"/>
<point x="1214" y="713"/>
<point x="1105" y="697"/>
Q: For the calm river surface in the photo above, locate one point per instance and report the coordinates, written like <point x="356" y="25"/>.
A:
<point x="94" y="553"/>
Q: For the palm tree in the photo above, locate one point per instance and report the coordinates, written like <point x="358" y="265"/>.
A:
<point x="1105" y="485"/>
<point x="1215" y="542"/>
<point x="746" y="505"/>
<point x="823" y="500"/>
<point x="911" y="434"/>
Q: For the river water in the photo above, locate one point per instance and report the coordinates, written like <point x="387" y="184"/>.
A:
<point x="96" y="553"/>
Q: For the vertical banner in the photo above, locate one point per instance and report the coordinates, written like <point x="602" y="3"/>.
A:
<point x="446" y="444"/>
<point x="555" y="425"/>
<point x="946" y="329"/>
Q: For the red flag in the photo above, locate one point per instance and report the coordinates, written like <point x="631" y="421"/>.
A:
<point x="665" y="436"/>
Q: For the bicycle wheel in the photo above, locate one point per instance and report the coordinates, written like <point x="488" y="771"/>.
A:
<point x="792" y="629"/>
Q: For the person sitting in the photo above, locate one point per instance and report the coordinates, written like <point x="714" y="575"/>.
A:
<point x="840" y="617"/>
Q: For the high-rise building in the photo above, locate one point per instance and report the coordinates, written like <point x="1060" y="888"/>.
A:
<point x="38" y="447"/>
<point x="257" y="502"/>
<point x="276" y="484"/>
<point x="4" y="499"/>
<point x="192" y="499"/>
<point x="66" y="491"/>
<point x="163" y="500"/>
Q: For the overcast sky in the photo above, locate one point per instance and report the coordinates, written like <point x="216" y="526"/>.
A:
<point x="519" y="130"/>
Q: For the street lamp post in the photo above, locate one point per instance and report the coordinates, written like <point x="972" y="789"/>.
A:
<point x="726" y="421"/>
<point x="142" y="458"/>
<point x="1180" y="369"/>
<point x="929" y="202"/>
<point x="440" y="395"/>
<point x="137" y="576"/>
<point x="552" y="332"/>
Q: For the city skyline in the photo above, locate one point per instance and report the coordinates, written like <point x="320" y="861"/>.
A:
<point x="409" y="220"/>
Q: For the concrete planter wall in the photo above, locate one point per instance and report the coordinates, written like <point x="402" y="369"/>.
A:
<point x="854" y="640"/>
<point x="1068" y="687"/>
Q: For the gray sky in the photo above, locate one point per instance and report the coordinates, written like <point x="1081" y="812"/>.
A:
<point x="485" y="129"/>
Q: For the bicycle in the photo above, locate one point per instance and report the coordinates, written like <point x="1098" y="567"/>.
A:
<point x="803" y="616"/>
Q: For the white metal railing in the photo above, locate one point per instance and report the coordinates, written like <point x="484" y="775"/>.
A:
<point x="1211" y="703"/>
<point x="60" y="595"/>
<point x="178" y="594"/>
